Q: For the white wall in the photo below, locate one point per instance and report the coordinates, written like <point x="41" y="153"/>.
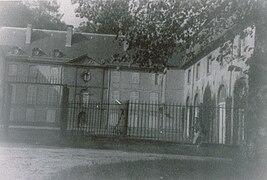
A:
<point x="220" y="75"/>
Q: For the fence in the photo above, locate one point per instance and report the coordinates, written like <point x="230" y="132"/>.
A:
<point x="152" y="121"/>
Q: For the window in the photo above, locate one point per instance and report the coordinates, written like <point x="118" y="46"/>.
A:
<point x="37" y="52"/>
<point x="11" y="114"/>
<point x="116" y="76"/>
<point x="135" y="78"/>
<point x="52" y="96"/>
<point x="54" y="74"/>
<point x="209" y="65"/>
<point x="114" y="116"/>
<point x="154" y="97"/>
<point x="51" y="116"/>
<point x="221" y="60"/>
<point x="134" y="96"/>
<point x="33" y="72"/>
<point x="16" y="51"/>
<point x="30" y="113"/>
<point x="31" y="94"/>
<point x="44" y="73"/>
<point x="13" y="93"/>
<point x="197" y="70"/>
<point x="12" y="70"/>
<point x="116" y="95"/>
<point x="156" y="79"/>
<point x="85" y="96"/>
<point x="188" y="75"/>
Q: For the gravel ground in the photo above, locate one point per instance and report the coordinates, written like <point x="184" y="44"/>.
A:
<point x="26" y="162"/>
<point x="162" y="169"/>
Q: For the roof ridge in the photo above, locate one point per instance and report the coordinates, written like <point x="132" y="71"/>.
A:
<point x="10" y="27"/>
<point x="59" y="31"/>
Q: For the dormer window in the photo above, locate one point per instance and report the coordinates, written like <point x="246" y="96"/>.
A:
<point x="37" y="52"/>
<point x="57" y="53"/>
<point x="16" y="51"/>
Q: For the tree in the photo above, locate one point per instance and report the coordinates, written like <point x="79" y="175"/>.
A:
<point x="156" y="29"/>
<point x="103" y="16"/>
<point x="41" y="14"/>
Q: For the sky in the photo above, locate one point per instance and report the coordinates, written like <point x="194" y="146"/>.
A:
<point x="68" y="10"/>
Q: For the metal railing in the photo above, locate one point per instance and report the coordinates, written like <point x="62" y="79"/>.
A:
<point x="153" y="121"/>
<point x="138" y="120"/>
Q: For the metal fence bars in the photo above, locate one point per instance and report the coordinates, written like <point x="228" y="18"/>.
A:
<point x="153" y="121"/>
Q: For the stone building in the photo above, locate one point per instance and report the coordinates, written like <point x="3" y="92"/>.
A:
<point x="37" y="64"/>
<point x="217" y="77"/>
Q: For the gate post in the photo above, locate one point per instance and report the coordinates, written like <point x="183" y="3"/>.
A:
<point x="64" y="110"/>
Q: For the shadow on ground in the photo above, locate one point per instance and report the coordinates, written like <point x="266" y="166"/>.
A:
<point x="56" y="139"/>
<point x="166" y="169"/>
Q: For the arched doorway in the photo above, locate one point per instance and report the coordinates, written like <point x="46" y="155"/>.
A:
<point x="196" y="125"/>
<point x="221" y="114"/>
<point x="82" y="117"/>
<point x="196" y="105"/>
<point x="188" y="116"/>
<point x="207" y="112"/>
<point x="196" y="111"/>
<point x="240" y="96"/>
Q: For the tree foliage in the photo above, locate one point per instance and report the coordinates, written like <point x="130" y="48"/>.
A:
<point x="103" y="16"/>
<point x="41" y="14"/>
<point x="155" y="30"/>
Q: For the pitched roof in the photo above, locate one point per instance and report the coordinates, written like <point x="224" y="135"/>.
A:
<point x="96" y="46"/>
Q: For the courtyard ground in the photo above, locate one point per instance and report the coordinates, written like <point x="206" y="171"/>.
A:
<point x="31" y="162"/>
<point x="30" y="154"/>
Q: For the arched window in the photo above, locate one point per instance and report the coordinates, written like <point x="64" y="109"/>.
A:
<point x="240" y="97"/>
<point x="221" y="113"/>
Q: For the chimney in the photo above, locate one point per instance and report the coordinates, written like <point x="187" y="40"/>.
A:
<point x="69" y="36"/>
<point x="28" y="34"/>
